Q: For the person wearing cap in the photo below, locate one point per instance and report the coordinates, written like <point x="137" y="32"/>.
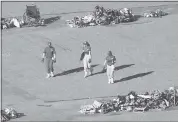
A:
<point x="87" y="59"/>
<point x="109" y="62"/>
<point x="49" y="57"/>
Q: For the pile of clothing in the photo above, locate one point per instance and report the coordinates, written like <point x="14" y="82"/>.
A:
<point x="11" y="22"/>
<point x="134" y="102"/>
<point x="102" y="106"/>
<point x="18" y="22"/>
<point x="78" y="22"/>
<point x="9" y="113"/>
<point x="102" y="16"/>
<point x="156" y="13"/>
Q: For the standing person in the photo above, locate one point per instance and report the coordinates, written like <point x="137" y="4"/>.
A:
<point x="87" y="59"/>
<point x="49" y="55"/>
<point x="109" y="64"/>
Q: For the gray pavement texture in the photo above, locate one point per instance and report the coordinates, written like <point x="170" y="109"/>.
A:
<point x="145" y="51"/>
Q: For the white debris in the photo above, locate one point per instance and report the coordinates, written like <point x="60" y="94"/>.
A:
<point x="97" y="104"/>
<point x="145" y="96"/>
<point x="15" y="22"/>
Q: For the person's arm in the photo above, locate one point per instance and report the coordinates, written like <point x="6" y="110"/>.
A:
<point x="54" y="56"/>
<point x="44" y="52"/>
<point x="90" y="51"/>
<point x="54" y="53"/>
<point x="43" y="55"/>
<point x="114" y="60"/>
<point x="105" y="63"/>
<point x="83" y="48"/>
<point x="104" y="66"/>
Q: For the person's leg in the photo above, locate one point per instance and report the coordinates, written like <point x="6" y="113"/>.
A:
<point x="51" y="68"/>
<point x="47" y="67"/>
<point x="108" y="74"/>
<point x="112" y="74"/>
<point x="89" y="64"/>
<point x="85" y="66"/>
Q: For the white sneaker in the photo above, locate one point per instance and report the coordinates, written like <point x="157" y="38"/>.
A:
<point x="112" y="81"/>
<point x="85" y="76"/>
<point x="109" y="81"/>
<point x="48" y="76"/>
<point x="52" y="74"/>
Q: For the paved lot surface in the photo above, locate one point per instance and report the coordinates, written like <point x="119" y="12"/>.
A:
<point x="146" y="52"/>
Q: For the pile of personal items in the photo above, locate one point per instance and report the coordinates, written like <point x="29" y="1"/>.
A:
<point x="78" y="22"/>
<point x="11" y="22"/>
<point x="102" y="16"/>
<point x="156" y="13"/>
<point x="9" y="113"/>
<point x="30" y="18"/>
<point x="134" y="102"/>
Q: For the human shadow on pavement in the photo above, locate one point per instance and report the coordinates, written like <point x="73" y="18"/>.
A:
<point x="116" y="68"/>
<point x="123" y="66"/>
<point x="133" y="76"/>
<point x="79" y="69"/>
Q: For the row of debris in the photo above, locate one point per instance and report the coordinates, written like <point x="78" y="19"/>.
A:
<point x="9" y="113"/>
<point x="30" y="18"/>
<point x="12" y="22"/>
<point x="102" y="16"/>
<point x="157" y="13"/>
<point x="134" y="102"/>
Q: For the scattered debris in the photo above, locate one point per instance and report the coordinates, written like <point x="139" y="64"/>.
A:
<point x="9" y="113"/>
<point x="30" y="18"/>
<point x="102" y="16"/>
<point x="157" y="13"/>
<point x="134" y="102"/>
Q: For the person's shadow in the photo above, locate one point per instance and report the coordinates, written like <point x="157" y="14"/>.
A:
<point x="75" y="70"/>
<point x="115" y="69"/>
<point x="133" y="76"/>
